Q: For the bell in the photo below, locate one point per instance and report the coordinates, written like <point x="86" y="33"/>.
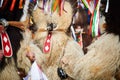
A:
<point x="61" y="73"/>
<point x="51" y="26"/>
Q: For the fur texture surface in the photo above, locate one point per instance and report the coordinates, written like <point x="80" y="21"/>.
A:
<point x="8" y="69"/>
<point x="102" y="60"/>
<point x="63" y="48"/>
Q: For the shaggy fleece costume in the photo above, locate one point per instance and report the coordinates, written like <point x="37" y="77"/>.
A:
<point x="102" y="61"/>
<point x="62" y="46"/>
<point x="8" y="69"/>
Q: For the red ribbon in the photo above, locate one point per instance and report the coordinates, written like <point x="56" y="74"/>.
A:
<point x="20" y="4"/>
<point x="12" y="5"/>
<point x="6" y="45"/>
<point x="46" y="47"/>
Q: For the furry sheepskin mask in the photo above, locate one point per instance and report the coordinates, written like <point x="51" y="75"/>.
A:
<point x="53" y="15"/>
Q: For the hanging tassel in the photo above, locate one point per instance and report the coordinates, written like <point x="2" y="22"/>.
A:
<point x="21" y="4"/>
<point x="4" y="4"/>
<point x="95" y="22"/>
<point x="86" y="3"/>
<point x="73" y="33"/>
<point x="1" y="2"/>
<point x="91" y="20"/>
<point x="55" y="5"/>
<point x="12" y="5"/>
<point x="80" y="4"/>
<point x="60" y="7"/>
<point x="107" y="6"/>
<point x="44" y="1"/>
<point x="72" y="28"/>
<point x="46" y="7"/>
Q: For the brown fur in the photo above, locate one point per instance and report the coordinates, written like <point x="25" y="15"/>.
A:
<point x="101" y="61"/>
<point x="62" y="46"/>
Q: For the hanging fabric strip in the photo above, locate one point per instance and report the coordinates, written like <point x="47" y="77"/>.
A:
<point x="95" y="22"/>
<point x="45" y="7"/>
<point x="6" y="45"/>
<point x="80" y="4"/>
<point x="44" y="2"/>
<point x="12" y="5"/>
<point x="91" y="20"/>
<point x="60" y="7"/>
<point x="1" y="2"/>
<point x="47" y="44"/>
<point x="88" y="6"/>
<point x="55" y="5"/>
<point x="73" y="33"/>
<point x="72" y="28"/>
<point x="107" y="6"/>
<point x="20" y="4"/>
<point x="50" y="7"/>
<point x="4" y="3"/>
<point x="53" y="1"/>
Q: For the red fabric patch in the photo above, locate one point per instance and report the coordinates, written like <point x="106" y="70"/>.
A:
<point x="46" y="47"/>
<point x="6" y="45"/>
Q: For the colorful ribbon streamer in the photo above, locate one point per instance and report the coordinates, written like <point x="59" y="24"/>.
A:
<point x="95" y="21"/>
<point x="88" y="6"/>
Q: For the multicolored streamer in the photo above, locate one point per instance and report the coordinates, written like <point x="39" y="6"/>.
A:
<point x="57" y="5"/>
<point x="87" y="4"/>
<point x="95" y="22"/>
